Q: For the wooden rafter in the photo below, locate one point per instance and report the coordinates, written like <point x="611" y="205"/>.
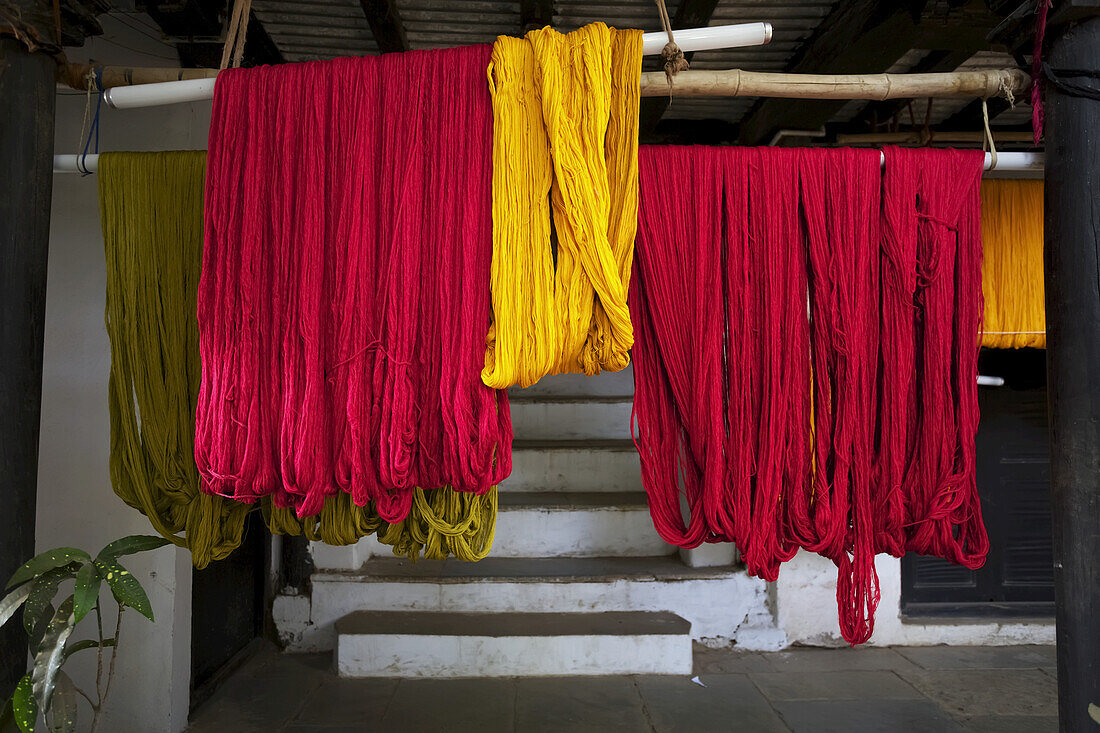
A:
<point x="859" y="36"/>
<point x="386" y="25"/>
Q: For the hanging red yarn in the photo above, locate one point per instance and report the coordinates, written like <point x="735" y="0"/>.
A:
<point x="889" y="265"/>
<point x="840" y="208"/>
<point x="932" y="197"/>
<point x="345" y="290"/>
<point x="721" y="337"/>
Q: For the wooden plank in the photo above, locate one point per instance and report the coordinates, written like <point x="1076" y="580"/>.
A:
<point x="26" y="144"/>
<point x="386" y="25"/>
<point x="535" y="14"/>
<point x="1072" y="260"/>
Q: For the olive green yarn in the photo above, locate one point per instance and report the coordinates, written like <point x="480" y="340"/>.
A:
<point x="151" y="212"/>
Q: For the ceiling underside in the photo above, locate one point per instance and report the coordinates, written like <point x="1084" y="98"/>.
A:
<point x="810" y="36"/>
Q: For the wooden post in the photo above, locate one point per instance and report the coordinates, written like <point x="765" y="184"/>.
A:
<point x="26" y="152"/>
<point x="1072" y="234"/>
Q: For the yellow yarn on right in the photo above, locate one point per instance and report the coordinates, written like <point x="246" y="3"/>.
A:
<point x="1012" y="264"/>
<point x="565" y="135"/>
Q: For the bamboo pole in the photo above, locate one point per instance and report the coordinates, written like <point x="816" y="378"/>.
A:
<point x="731" y="83"/>
<point x="876" y="87"/>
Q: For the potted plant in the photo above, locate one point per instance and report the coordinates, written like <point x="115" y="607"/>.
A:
<point x="34" y="587"/>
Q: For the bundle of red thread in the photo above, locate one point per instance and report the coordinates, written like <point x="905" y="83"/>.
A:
<point x="806" y="356"/>
<point x="344" y="298"/>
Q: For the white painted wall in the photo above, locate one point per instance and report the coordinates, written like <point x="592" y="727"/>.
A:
<point x="807" y="612"/>
<point x="76" y="505"/>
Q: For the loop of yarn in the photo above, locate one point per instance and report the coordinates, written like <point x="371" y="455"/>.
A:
<point x="877" y="306"/>
<point x="565" y="136"/>
<point x="344" y="298"/>
<point x="1012" y="264"/>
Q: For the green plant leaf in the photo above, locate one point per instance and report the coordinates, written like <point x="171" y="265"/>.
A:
<point x="80" y="646"/>
<point x="48" y="560"/>
<point x="63" y="706"/>
<point x="130" y="545"/>
<point x="86" y="591"/>
<point x="23" y="705"/>
<point x="125" y="587"/>
<point x="51" y="653"/>
<point x="34" y="636"/>
<point x="12" y="601"/>
<point x="43" y="589"/>
<point x="7" y="719"/>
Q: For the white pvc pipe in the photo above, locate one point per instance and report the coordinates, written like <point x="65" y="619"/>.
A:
<point x="1007" y="162"/>
<point x="155" y="95"/>
<point x="689" y="39"/>
<point x="706" y="39"/>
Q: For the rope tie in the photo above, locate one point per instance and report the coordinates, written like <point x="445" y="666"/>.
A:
<point x="988" y="137"/>
<point x="235" y="34"/>
<point x="671" y="55"/>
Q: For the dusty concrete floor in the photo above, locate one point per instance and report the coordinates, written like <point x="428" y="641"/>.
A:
<point x="910" y="689"/>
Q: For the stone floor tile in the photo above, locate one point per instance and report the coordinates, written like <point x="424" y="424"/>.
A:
<point x="578" y="705"/>
<point x="866" y="716"/>
<point x="834" y="660"/>
<point x="978" y="692"/>
<point x="722" y="661"/>
<point x="360" y="728"/>
<point x="861" y="685"/>
<point x="485" y="705"/>
<point x="343" y="701"/>
<point x="260" y="700"/>
<point x="980" y="657"/>
<point x="721" y="703"/>
<point x="1013" y="724"/>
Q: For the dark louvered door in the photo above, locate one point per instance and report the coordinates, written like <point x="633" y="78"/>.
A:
<point x="1013" y="465"/>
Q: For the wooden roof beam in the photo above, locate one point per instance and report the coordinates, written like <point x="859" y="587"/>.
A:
<point x="860" y="36"/>
<point x="385" y="25"/>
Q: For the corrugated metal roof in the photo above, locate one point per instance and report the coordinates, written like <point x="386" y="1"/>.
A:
<point x="305" y="30"/>
<point x="432" y="24"/>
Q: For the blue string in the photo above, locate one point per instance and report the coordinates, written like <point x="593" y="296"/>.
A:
<point x="94" y="129"/>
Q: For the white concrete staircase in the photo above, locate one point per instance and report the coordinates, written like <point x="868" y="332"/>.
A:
<point x="578" y="581"/>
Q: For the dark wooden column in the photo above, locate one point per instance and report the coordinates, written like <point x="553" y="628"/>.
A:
<point x="26" y="176"/>
<point x="1073" y="363"/>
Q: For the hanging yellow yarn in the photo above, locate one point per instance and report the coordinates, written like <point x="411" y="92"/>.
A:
<point x="565" y="114"/>
<point x="151" y="213"/>
<point x="1012" y="264"/>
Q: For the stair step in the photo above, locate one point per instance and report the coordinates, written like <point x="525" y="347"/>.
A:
<point x="570" y="417"/>
<point x="576" y="524"/>
<point x="574" y="465"/>
<point x="605" y="383"/>
<point x="716" y="600"/>
<point x="434" y="644"/>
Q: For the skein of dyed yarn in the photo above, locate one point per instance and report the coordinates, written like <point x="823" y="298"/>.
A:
<point x="936" y="196"/>
<point x="151" y="213"/>
<point x="840" y="206"/>
<point x="344" y="299"/>
<point x="722" y="380"/>
<point x="1012" y="264"/>
<point x="565" y="111"/>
